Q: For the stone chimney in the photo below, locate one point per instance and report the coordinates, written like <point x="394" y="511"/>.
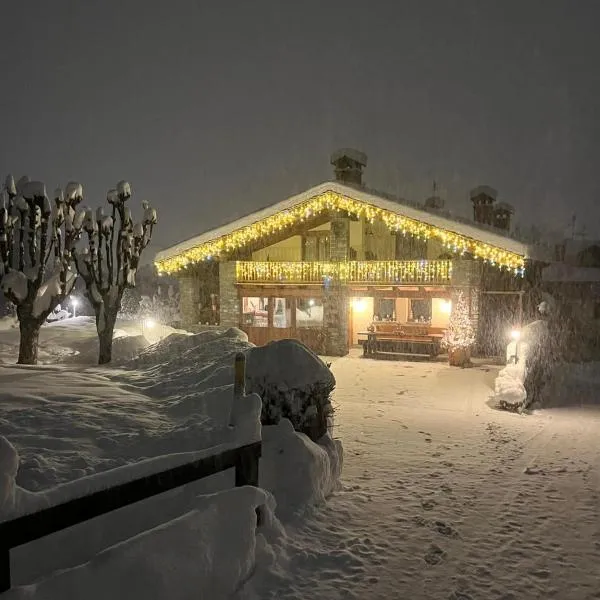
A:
<point x="483" y="199"/>
<point x="349" y="165"/>
<point x="502" y="213"/>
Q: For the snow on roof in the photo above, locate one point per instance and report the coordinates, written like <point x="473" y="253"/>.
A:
<point x="451" y="224"/>
<point x="564" y="273"/>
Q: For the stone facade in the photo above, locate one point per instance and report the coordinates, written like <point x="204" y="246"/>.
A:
<point x="189" y="300"/>
<point x="339" y="241"/>
<point x="228" y="294"/>
<point x="335" y="319"/>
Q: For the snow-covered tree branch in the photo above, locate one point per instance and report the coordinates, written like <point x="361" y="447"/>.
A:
<point x="36" y="242"/>
<point x="109" y="260"/>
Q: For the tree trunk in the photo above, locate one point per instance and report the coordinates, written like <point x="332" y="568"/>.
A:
<point x="28" y="344"/>
<point x="105" y="336"/>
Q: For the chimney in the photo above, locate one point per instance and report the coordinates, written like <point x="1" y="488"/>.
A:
<point x="502" y="214"/>
<point x="434" y="202"/>
<point x="349" y="165"/>
<point x="483" y="199"/>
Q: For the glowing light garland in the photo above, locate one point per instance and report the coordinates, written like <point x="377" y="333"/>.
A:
<point x="332" y="201"/>
<point x="379" y="271"/>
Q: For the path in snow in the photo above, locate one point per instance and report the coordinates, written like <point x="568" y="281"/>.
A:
<point x="445" y="497"/>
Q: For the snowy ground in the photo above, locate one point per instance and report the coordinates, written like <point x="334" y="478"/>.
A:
<point x="445" y="497"/>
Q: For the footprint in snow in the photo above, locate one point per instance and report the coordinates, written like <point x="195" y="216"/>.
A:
<point x="445" y="529"/>
<point x="459" y="596"/>
<point x="434" y="555"/>
<point x="428" y="504"/>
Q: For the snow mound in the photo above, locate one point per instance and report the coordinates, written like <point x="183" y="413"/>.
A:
<point x="508" y="387"/>
<point x="287" y="363"/>
<point x="125" y="347"/>
<point x="298" y="472"/>
<point x="206" y="553"/>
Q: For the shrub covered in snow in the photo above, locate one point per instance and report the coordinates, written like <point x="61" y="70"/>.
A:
<point x="294" y="383"/>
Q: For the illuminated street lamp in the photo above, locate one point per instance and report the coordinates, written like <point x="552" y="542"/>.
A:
<point x="74" y="304"/>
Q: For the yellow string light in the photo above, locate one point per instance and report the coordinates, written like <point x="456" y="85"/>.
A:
<point x="379" y="271"/>
<point x="332" y="201"/>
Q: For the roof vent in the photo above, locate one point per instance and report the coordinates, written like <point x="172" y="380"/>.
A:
<point x="349" y="165"/>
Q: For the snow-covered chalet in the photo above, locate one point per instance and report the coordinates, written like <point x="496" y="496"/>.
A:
<point x="339" y="260"/>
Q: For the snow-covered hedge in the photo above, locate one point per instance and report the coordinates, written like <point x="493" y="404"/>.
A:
<point x="294" y="383"/>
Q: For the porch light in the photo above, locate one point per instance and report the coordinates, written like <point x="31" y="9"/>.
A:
<point x="515" y="334"/>
<point x="149" y="323"/>
<point x="446" y="307"/>
<point x="311" y="302"/>
<point x="359" y="304"/>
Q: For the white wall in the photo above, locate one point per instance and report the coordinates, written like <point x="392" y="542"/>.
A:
<point x="288" y="249"/>
<point x="402" y="310"/>
<point x="360" y="319"/>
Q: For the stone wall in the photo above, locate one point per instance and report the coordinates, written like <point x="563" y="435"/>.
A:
<point x="189" y="299"/>
<point x="339" y="240"/>
<point x="229" y="300"/>
<point x="335" y="319"/>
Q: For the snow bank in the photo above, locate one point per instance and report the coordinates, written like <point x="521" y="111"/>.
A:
<point x="288" y="363"/>
<point x="298" y="472"/>
<point x="206" y="553"/>
<point x="81" y="429"/>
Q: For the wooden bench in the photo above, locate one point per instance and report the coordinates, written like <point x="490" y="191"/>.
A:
<point x="397" y="340"/>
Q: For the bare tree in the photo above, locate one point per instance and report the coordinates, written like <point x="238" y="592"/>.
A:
<point x="36" y="242"/>
<point x="109" y="261"/>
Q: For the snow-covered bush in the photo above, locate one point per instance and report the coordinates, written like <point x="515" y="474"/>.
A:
<point x="109" y="262"/>
<point x="36" y="242"/>
<point x="294" y="383"/>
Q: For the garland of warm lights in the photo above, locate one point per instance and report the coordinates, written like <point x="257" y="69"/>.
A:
<point x="379" y="271"/>
<point x="332" y="201"/>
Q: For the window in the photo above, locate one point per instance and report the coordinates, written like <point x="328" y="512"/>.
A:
<point x="420" y="311"/>
<point x="385" y="309"/>
<point x="597" y="310"/>
<point x="282" y="312"/>
<point x="309" y="312"/>
<point x="255" y="312"/>
<point x="316" y="245"/>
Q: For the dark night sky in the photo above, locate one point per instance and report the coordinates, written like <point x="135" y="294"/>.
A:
<point x="214" y="109"/>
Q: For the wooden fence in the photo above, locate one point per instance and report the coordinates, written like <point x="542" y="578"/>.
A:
<point x="31" y="527"/>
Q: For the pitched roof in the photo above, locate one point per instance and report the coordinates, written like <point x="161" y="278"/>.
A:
<point x="456" y="228"/>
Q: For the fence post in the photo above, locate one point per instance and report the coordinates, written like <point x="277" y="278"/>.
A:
<point x="239" y="382"/>
<point x="4" y="569"/>
<point x="246" y="467"/>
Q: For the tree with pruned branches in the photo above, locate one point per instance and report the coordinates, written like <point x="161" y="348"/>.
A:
<point x="109" y="261"/>
<point x="36" y="243"/>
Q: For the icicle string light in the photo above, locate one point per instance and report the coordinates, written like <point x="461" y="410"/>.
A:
<point x="332" y="201"/>
<point x="379" y="271"/>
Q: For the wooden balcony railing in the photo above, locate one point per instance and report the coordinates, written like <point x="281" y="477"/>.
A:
<point x="372" y="271"/>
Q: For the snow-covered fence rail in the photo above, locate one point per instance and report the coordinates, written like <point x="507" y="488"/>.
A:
<point x="31" y="527"/>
